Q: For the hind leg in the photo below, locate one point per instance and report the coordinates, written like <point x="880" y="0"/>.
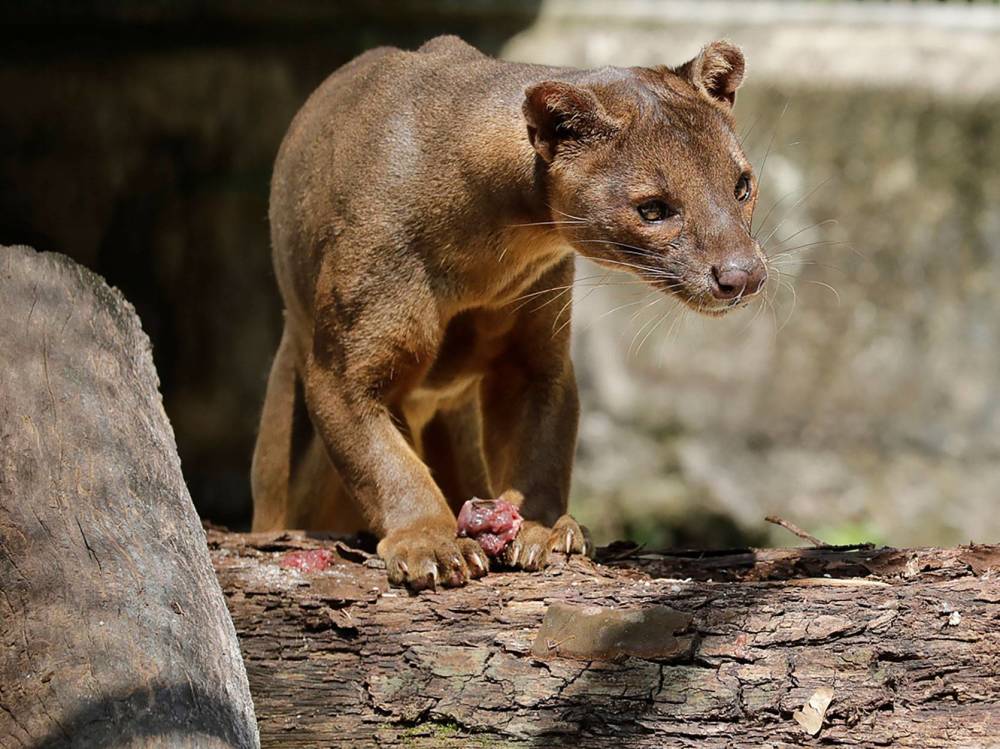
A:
<point x="293" y="483"/>
<point x="317" y="499"/>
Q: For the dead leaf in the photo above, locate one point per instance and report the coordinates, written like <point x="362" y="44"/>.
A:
<point x="810" y="717"/>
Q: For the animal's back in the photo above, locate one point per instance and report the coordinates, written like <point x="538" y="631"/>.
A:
<point x="370" y="132"/>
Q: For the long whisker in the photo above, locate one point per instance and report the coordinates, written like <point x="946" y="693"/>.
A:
<point x="797" y="249"/>
<point x="795" y="299"/>
<point x="627" y="304"/>
<point x="807" y="228"/>
<point x="644" y="271"/>
<point x="619" y="307"/>
<point x="678" y="322"/>
<point x="796" y="262"/>
<point x="640" y="311"/>
<point x="576" y="281"/>
<point x="651" y="330"/>
<point x="559" y="314"/>
<point x="548" y="223"/>
<point x="563" y="290"/>
<point x="796" y="205"/>
<point x="827" y="286"/>
<point x="641" y="250"/>
<point x="743" y="138"/>
<point x="567" y="215"/>
<point x="680" y="316"/>
<point x="655" y="272"/>
<point x="763" y="221"/>
<point x="763" y="165"/>
<point x="754" y="318"/>
<point x="639" y="331"/>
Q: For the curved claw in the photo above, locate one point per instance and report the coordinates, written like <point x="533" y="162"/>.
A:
<point x="533" y="549"/>
<point x="422" y="559"/>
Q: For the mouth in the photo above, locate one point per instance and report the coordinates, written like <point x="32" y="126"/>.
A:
<point x="688" y="285"/>
<point x="702" y="303"/>
<point x="721" y="308"/>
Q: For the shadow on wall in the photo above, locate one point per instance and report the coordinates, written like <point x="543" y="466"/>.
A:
<point x="139" y="141"/>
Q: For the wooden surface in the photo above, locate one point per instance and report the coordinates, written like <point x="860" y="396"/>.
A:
<point x="908" y="642"/>
<point x="113" y="630"/>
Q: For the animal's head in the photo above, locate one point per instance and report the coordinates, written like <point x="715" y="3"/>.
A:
<point x="645" y="167"/>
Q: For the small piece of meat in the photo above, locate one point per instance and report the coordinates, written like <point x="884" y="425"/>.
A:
<point x="311" y="560"/>
<point x="494" y="523"/>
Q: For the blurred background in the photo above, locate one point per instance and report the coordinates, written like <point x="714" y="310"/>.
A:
<point x="859" y="400"/>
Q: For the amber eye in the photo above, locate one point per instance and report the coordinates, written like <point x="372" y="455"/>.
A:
<point x="653" y="211"/>
<point x="743" y="189"/>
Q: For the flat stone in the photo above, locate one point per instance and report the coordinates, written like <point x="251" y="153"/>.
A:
<point x="602" y="633"/>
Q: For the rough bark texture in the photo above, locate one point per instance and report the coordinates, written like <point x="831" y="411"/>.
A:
<point x="908" y="641"/>
<point x="113" y="630"/>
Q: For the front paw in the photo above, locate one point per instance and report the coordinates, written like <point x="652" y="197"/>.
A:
<point x="536" y="544"/>
<point x="420" y="558"/>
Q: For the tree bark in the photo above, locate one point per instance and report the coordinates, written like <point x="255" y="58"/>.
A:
<point x="113" y="629"/>
<point x="907" y="640"/>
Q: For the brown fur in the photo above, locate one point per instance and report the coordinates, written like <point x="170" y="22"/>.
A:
<point x="410" y="216"/>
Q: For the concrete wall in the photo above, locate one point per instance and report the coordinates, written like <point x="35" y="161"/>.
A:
<point x="861" y="399"/>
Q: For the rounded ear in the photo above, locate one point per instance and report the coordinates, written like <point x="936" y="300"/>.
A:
<point x="716" y="72"/>
<point x="559" y="113"/>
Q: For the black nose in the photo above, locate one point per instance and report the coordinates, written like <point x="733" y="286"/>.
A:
<point x="733" y="280"/>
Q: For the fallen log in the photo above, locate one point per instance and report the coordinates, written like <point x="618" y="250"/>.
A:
<point x="113" y="630"/>
<point x="855" y="647"/>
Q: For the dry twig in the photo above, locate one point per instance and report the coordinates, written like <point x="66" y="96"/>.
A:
<point x="792" y="528"/>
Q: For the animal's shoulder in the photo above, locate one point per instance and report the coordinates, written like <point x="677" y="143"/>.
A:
<point x="449" y="46"/>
